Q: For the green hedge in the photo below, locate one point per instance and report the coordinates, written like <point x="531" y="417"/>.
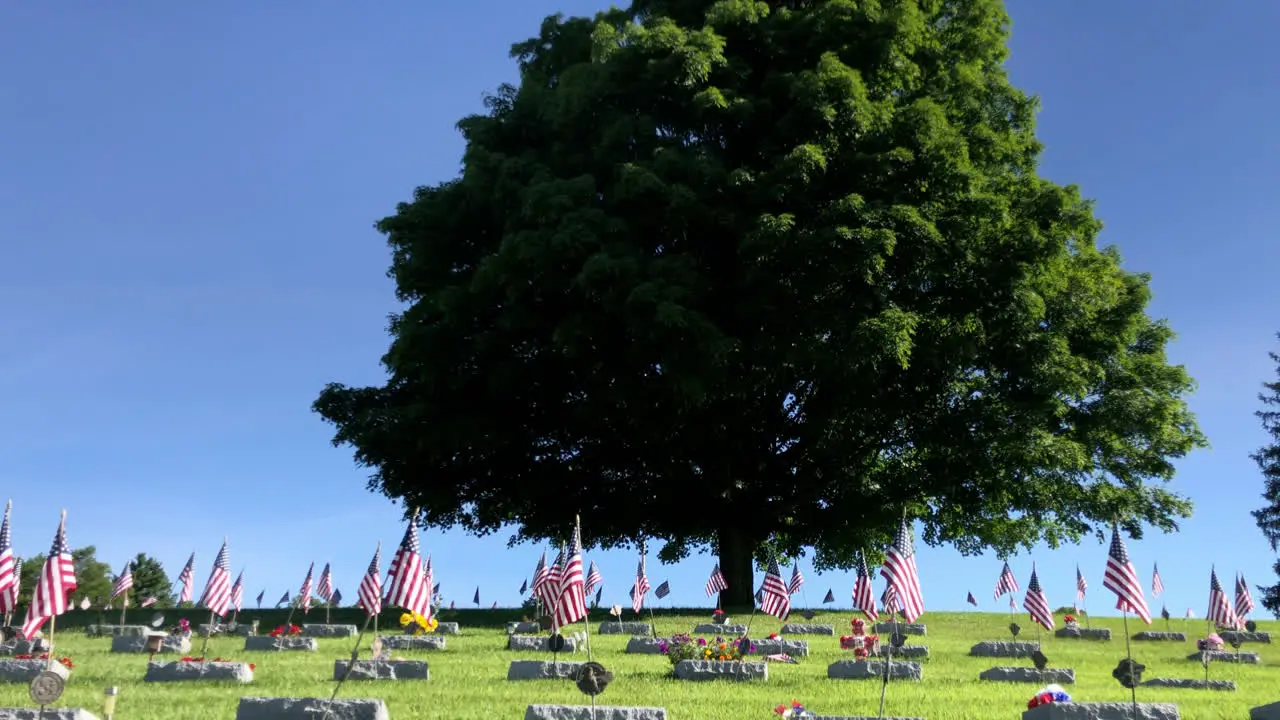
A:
<point x="270" y="617"/>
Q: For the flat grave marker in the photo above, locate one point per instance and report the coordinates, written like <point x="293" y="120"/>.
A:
<point x="699" y="670"/>
<point x="382" y="670"/>
<point x="873" y="670"/>
<point x="294" y="708"/>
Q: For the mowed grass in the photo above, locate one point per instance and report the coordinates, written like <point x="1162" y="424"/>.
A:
<point x="468" y="680"/>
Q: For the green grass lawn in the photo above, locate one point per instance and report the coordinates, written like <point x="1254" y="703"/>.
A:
<point x="468" y="680"/>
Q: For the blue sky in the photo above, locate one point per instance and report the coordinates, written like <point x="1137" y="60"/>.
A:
<point x="186" y="257"/>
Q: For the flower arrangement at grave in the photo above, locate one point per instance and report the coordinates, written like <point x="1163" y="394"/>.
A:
<point x="66" y="661"/>
<point x="285" y="631"/>
<point x="182" y="629"/>
<point x="1047" y="695"/>
<point x="1069" y="622"/>
<point x="794" y="710"/>
<point x="773" y="636"/>
<point x="215" y="660"/>
<point x="717" y="617"/>
<point x="415" y="624"/>
<point x="682" y="646"/>
<point x="1210" y="643"/>
<point x="862" y="644"/>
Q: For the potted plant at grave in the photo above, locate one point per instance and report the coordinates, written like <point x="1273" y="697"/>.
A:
<point x="794" y="710"/>
<point x="182" y="629"/>
<point x="1069" y="622"/>
<point x="682" y="646"/>
<point x="1211" y="643"/>
<point x="717" y="617"/>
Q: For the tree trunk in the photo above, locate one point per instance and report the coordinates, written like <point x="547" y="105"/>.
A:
<point x="737" y="562"/>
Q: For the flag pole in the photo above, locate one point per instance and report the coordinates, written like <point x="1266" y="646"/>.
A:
<point x="53" y="620"/>
<point x="1128" y="652"/>
<point x="355" y="655"/>
<point x="124" y="607"/>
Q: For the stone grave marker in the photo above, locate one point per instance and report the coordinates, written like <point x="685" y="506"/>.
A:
<point x="1003" y="649"/>
<point x="238" y="629"/>
<point x="212" y="671"/>
<point x="178" y="644"/>
<point x="906" y="652"/>
<point x="625" y="628"/>
<point x="1270" y="711"/>
<point x="265" y="643"/>
<point x="599" y="712"/>
<point x="1155" y="636"/>
<point x="721" y="670"/>
<point x="873" y="670"/>
<point x="1190" y="683"/>
<point x="1102" y="711"/>
<point x="47" y="714"/>
<point x="117" y="630"/>
<point x="294" y="708"/>
<point x="35" y="646"/>
<point x="1246" y="658"/>
<point x="904" y="628"/>
<point x="381" y="670"/>
<point x="329" y="631"/>
<point x="644" y="646"/>
<point x="1232" y="636"/>
<point x="448" y="628"/>
<point x="523" y="628"/>
<point x="538" y="643"/>
<point x="773" y="646"/>
<point x="806" y="629"/>
<point x="543" y="670"/>
<point x="1041" y="673"/>
<point x="1083" y="633"/>
<point x="413" y="642"/>
<point x="25" y="671"/>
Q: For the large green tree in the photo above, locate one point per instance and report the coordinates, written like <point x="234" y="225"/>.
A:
<point x="765" y="276"/>
<point x="1268" y="459"/>
<point x="150" y="580"/>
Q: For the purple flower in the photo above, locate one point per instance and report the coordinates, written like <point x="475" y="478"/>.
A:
<point x="702" y="642"/>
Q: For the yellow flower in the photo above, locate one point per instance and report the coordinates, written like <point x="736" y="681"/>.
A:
<point x="432" y="624"/>
<point x="405" y="619"/>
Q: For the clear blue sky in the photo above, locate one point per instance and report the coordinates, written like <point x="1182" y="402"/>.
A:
<point x="186" y="257"/>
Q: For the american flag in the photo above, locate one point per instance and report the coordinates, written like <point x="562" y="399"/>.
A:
<point x="284" y="599"/>
<point x="774" y="598"/>
<point x="124" y="582"/>
<point x="1013" y="605"/>
<point x="9" y="570"/>
<point x="553" y="582"/>
<point x="640" y="586"/>
<point x="797" y="580"/>
<point x="237" y="593"/>
<point x="304" y="595"/>
<point x="830" y="597"/>
<point x="217" y="592"/>
<point x="324" y="588"/>
<point x="408" y="586"/>
<point x="889" y="599"/>
<point x="1036" y="603"/>
<point x="863" y="598"/>
<point x="1006" y="583"/>
<point x="1121" y="579"/>
<point x="150" y="601"/>
<point x="1081" y="585"/>
<point x="524" y="586"/>
<point x="261" y="594"/>
<point x="716" y="583"/>
<point x="1244" y="601"/>
<point x="369" y="595"/>
<point x="541" y="576"/>
<point x="971" y="600"/>
<point x="1157" y="585"/>
<point x="57" y="580"/>
<point x="662" y="590"/>
<point x="571" y="600"/>
<point x="476" y="598"/>
<point x="1190" y="613"/>
<point x="900" y="570"/>
<point x="1220" y="612"/>
<point x="187" y="579"/>
<point x="337" y="598"/>
<point x="594" y="579"/>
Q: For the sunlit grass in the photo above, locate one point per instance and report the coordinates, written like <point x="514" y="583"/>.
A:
<point x="468" y="680"/>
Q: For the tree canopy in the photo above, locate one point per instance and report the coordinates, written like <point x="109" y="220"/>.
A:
<point x="150" y="580"/>
<point x="1268" y="459"/>
<point x="765" y="276"/>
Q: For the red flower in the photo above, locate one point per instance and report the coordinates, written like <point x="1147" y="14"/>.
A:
<point x="773" y="636"/>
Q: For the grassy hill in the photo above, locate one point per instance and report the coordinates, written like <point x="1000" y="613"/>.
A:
<point x="468" y="680"/>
